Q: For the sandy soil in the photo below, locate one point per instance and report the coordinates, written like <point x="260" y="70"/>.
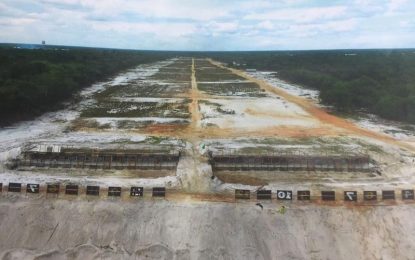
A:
<point x="318" y="112"/>
<point x="257" y="113"/>
<point x="188" y="227"/>
<point x="62" y="229"/>
<point x="194" y="106"/>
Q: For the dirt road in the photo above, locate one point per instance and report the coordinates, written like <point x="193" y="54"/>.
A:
<point x="194" y="105"/>
<point x="201" y="220"/>
<point x="318" y="112"/>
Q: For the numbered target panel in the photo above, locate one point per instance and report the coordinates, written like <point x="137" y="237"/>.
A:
<point x="15" y="187"/>
<point x="114" y="191"/>
<point x="370" y="195"/>
<point x="303" y="195"/>
<point x="263" y="194"/>
<point x="284" y="195"/>
<point x="159" y="192"/>
<point x="52" y="188"/>
<point x="136" y="191"/>
<point x="92" y="190"/>
<point x="32" y="188"/>
<point x="350" y="195"/>
<point x="407" y="194"/>
<point x="243" y="194"/>
<point x="328" y="195"/>
<point x="71" y="189"/>
<point x="388" y="194"/>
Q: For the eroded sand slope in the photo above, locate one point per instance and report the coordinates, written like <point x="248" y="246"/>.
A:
<point x="62" y="229"/>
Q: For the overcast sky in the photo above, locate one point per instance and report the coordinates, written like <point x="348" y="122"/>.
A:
<point x="211" y="24"/>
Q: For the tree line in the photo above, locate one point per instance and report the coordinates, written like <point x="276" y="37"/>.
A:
<point x="34" y="81"/>
<point x="381" y="82"/>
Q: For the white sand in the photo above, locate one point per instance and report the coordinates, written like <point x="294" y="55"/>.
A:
<point x="271" y="78"/>
<point x="61" y="229"/>
<point x="46" y="228"/>
<point x="256" y="113"/>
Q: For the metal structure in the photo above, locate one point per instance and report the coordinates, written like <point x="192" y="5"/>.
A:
<point x="159" y="192"/>
<point x="236" y="195"/>
<point x="289" y="162"/>
<point x="15" y="187"/>
<point x="118" y="159"/>
<point x="388" y="194"/>
<point x="92" y="190"/>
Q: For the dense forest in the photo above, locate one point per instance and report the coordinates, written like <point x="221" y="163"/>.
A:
<point x="33" y="81"/>
<point x="377" y="81"/>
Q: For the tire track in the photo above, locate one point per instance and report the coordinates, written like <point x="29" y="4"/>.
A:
<point x="317" y="112"/>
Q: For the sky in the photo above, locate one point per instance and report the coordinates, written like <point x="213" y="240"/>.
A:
<point x="211" y="24"/>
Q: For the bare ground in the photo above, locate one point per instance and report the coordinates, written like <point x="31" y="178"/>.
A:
<point x="189" y="227"/>
<point x="317" y="112"/>
<point x="64" y="229"/>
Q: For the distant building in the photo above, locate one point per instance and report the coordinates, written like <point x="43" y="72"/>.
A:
<point x="43" y="42"/>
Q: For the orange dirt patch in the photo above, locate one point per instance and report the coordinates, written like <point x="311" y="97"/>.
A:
<point x="281" y="131"/>
<point x="242" y="179"/>
<point x="197" y="197"/>
<point x="165" y="129"/>
<point x="271" y="113"/>
<point x="318" y="112"/>
<point x="194" y="105"/>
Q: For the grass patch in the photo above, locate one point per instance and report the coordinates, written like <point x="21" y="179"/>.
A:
<point x="232" y="89"/>
<point x="145" y="89"/>
<point x="408" y="128"/>
<point x="218" y="107"/>
<point x="156" y="139"/>
<point x="209" y="103"/>
<point x="137" y="109"/>
<point x="371" y="147"/>
<point x="172" y="76"/>
<point x="218" y="76"/>
<point x="81" y="123"/>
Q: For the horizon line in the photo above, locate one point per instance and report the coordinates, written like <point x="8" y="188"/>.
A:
<point x="173" y="50"/>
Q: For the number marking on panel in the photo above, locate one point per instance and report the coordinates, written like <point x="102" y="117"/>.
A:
<point x="284" y="195"/>
<point x="350" y="195"/>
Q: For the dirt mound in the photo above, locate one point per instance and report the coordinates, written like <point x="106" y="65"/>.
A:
<point x="60" y="229"/>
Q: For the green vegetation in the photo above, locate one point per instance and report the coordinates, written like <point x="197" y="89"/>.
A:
<point x="111" y="108"/>
<point x="145" y="89"/>
<point x="217" y="107"/>
<point x="33" y="81"/>
<point x="378" y="81"/>
<point x="177" y="72"/>
<point x="248" y="89"/>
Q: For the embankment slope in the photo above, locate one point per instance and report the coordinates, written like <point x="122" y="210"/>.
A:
<point x="61" y="229"/>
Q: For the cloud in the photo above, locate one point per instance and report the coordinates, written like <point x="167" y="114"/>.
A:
<point x="303" y="30"/>
<point x="146" y="28"/>
<point x="210" y="24"/>
<point x="266" y="25"/>
<point x="300" y="15"/>
<point x="220" y="27"/>
<point x="182" y="9"/>
<point x="396" y="4"/>
<point x="20" y="22"/>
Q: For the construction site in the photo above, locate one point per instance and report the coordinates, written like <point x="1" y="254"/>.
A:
<point x="206" y="129"/>
<point x="203" y="133"/>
